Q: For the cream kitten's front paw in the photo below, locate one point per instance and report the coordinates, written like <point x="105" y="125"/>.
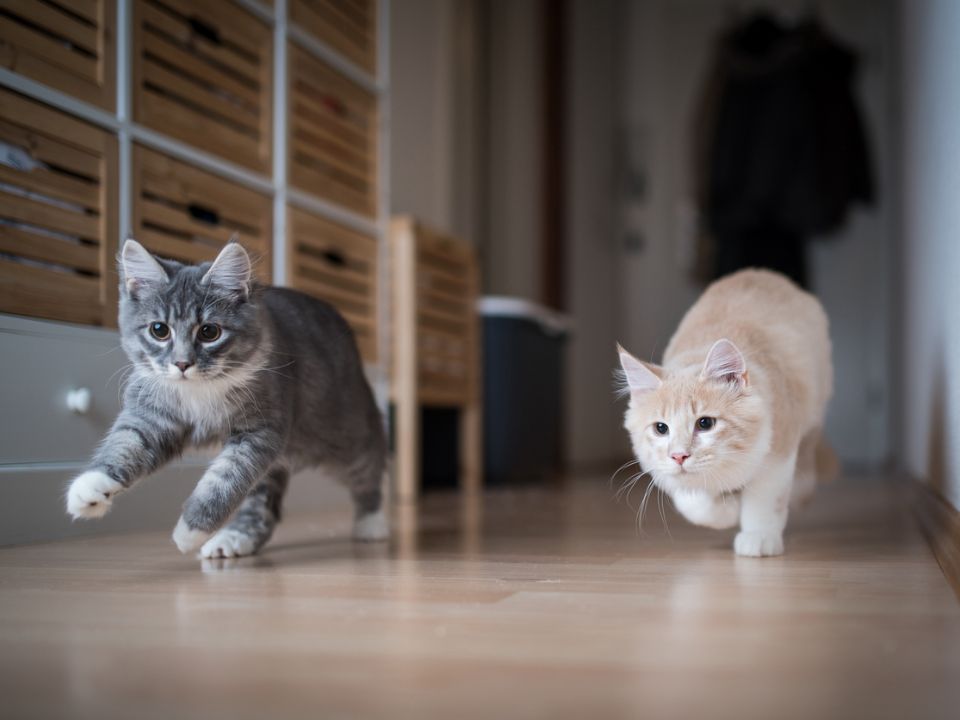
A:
<point x="188" y="539"/>
<point x="91" y="494"/>
<point x="758" y="544"/>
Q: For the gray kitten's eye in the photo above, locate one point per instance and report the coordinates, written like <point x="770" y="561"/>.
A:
<point x="160" y="331"/>
<point x="208" y="332"/>
<point x="705" y="423"/>
<point x="661" y="428"/>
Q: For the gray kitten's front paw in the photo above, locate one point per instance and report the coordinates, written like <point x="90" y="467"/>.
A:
<point x="228" y="543"/>
<point x="91" y="494"/>
<point x="758" y="544"/>
<point x="186" y="538"/>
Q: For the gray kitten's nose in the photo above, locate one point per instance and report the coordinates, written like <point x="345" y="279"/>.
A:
<point x="183" y="365"/>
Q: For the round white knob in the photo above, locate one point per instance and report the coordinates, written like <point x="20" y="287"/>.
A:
<point x="79" y="400"/>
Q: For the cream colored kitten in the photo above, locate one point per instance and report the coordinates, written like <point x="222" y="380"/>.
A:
<point x="730" y="425"/>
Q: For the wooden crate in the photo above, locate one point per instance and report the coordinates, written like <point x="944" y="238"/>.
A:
<point x="58" y="232"/>
<point x="339" y="265"/>
<point x="68" y="45"/>
<point x="436" y="344"/>
<point x="333" y="135"/>
<point x="203" y="74"/>
<point x="347" y="26"/>
<point x="187" y="214"/>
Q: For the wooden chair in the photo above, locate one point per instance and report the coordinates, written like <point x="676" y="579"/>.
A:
<point x="436" y="346"/>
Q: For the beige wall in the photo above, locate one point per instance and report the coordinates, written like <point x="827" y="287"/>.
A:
<point x="435" y="78"/>
<point x="594" y="436"/>
<point x="930" y="424"/>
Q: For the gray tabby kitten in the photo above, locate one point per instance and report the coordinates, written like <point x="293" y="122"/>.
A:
<point x="273" y="375"/>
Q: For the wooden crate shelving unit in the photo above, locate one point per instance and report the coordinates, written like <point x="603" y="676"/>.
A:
<point x="58" y="234"/>
<point x="71" y="49"/>
<point x="192" y="120"/>
<point x="436" y="346"/>
<point x="187" y="214"/>
<point x="204" y="76"/>
<point x="339" y="265"/>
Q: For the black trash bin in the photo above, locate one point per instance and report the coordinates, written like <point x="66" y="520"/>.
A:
<point x="523" y="366"/>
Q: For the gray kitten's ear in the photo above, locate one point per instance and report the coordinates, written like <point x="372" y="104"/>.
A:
<point x="725" y="362"/>
<point x="140" y="267"/>
<point x="231" y="270"/>
<point x="640" y="377"/>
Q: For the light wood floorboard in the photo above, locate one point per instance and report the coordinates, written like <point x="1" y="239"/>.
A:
<point x="529" y="604"/>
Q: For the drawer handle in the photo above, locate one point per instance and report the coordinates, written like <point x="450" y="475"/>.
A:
<point x="205" y="30"/>
<point x="18" y="158"/>
<point x="203" y="214"/>
<point x="335" y="104"/>
<point x="335" y="258"/>
<point x="79" y="401"/>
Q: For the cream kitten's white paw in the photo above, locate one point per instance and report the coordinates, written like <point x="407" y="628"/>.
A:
<point x="91" y="494"/>
<point x="228" y="543"/>
<point x="371" y="527"/>
<point x="188" y="539"/>
<point x="758" y="544"/>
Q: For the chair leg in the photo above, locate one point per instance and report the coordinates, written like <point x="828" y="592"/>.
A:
<point x="471" y="448"/>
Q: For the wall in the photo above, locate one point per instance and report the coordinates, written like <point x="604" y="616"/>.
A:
<point x="435" y="77"/>
<point x="594" y="435"/>
<point x="666" y="48"/>
<point x="930" y="432"/>
<point x="512" y="243"/>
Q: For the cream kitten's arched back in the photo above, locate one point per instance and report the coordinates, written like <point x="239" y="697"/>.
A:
<point x="730" y="425"/>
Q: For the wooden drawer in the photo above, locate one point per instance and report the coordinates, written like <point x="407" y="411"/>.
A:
<point x="187" y="214"/>
<point x="42" y="362"/>
<point x="333" y="135"/>
<point x="203" y="74"/>
<point x="435" y="282"/>
<point x="347" y="26"/>
<point x="57" y="215"/>
<point x="338" y="265"/>
<point x="446" y="317"/>
<point x="68" y="45"/>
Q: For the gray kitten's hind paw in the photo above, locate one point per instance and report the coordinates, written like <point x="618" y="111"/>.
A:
<point x="372" y="527"/>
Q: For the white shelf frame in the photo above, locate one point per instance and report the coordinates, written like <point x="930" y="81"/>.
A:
<point x="275" y="185"/>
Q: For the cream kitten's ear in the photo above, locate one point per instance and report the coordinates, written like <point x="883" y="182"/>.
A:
<point x="725" y="362"/>
<point x="231" y="270"/>
<point x="640" y="377"/>
<point x="140" y="267"/>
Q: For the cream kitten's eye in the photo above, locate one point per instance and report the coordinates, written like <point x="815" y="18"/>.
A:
<point x="661" y="428"/>
<point x="705" y="423"/>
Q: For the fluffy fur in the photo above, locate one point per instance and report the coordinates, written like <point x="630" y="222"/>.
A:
<point x="272" y="375"/>
<point x="752" y="357"/>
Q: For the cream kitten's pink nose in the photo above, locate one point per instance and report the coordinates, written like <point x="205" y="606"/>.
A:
<point x="680" y="457"/>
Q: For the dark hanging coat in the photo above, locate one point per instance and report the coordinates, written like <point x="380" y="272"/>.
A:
<point x="785" y="154"/>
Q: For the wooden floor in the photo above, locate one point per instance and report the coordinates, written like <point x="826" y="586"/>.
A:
<point x="533" y="605"/>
